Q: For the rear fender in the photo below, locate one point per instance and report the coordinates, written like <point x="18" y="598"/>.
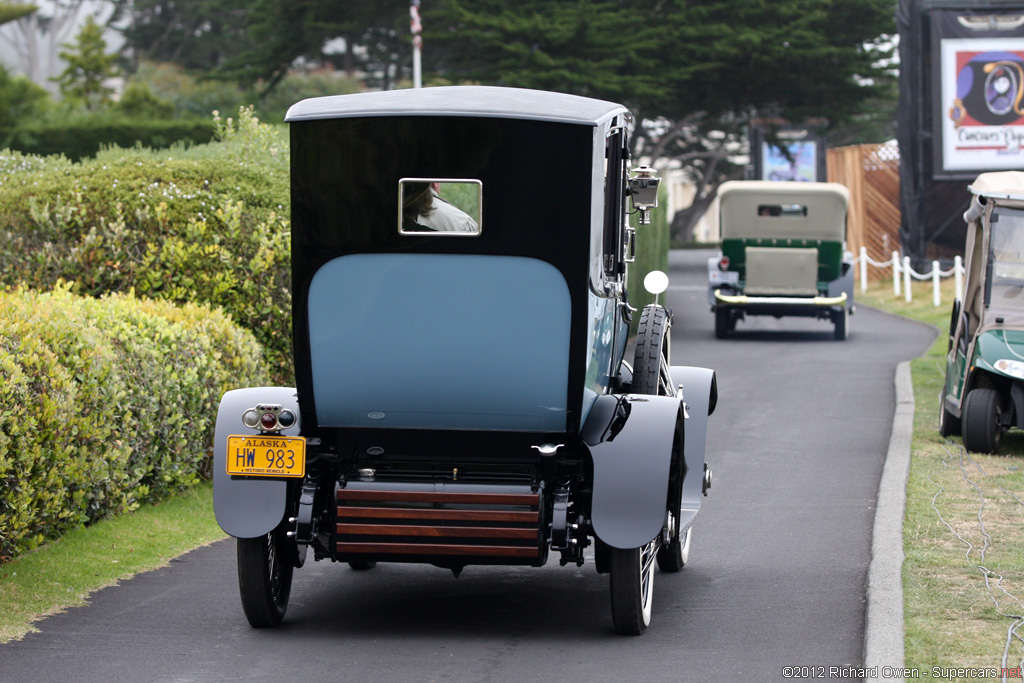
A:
<point x="630" y="442"/>
<point x="699" y="390"/>
<point x="247" y="508"/>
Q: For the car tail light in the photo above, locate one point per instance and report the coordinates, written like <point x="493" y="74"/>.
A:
<point x="268" y="421"/>
<point x="723" y="263"/>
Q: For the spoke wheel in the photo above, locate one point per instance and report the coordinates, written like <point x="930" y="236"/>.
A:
<point x="264" y="579"/>
<point x="981" y="416"/>
<point x="632" y="588"/>
<point x="651" y="362"/>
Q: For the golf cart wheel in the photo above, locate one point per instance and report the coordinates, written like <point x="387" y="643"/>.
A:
<point x="632" y="587"/>
<point x="264" y="578"/>
<point x="980" y="423"/>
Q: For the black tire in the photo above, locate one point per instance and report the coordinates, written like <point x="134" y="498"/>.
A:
<point x="264" y="578"/>
<point x="980" y="422"/>
<point x="632" y="588"/>
<point x="723" y="323"/>
<point x="949" y="425"/>
<point x="842" y="322"/>
<point x="361" y="565"/>
<point x="651" y="361"/>
<point x="673" y="557"/>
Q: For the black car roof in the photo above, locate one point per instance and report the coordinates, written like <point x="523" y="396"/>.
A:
<point x="469" y="101"/>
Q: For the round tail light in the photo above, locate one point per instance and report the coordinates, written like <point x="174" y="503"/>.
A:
<point x="268" y="421"/>
<point x="723" y="263"/>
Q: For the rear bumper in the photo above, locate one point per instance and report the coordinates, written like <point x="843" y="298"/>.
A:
<point x="747" y="301"/>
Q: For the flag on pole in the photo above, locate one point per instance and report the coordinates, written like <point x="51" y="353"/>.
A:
<point x="414" y="23"/>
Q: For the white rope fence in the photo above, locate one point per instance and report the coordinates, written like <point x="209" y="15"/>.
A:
<point x="902" y="274"/>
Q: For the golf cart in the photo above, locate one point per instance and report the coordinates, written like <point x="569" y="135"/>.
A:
<point x="984" y="391"/>
<point x="783" y="254"/>
<point x="460" y="323"/>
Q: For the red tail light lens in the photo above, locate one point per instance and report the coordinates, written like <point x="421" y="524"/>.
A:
<point x="723" y="263"/>
<point x="268" y="421"/>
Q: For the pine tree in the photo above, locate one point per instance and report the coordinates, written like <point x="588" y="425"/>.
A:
<point x="89" y="66"/>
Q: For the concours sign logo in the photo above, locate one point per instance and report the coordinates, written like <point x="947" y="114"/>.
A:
<point x="982" y="98"/>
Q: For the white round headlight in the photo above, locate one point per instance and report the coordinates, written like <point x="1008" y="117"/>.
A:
<point x="1014" y="368"/>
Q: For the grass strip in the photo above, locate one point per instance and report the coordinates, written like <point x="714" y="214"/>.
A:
<point x="963" y="532"/>
<point x="63" y="573"/>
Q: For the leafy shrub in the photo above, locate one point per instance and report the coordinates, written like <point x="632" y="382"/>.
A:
<point x="106" y="404"/>
<point x="78" y="138"/>
<point x="213" y="231"/>
<point x="20" y="100"/>
<point x="190" y="96"/>
<point x="138" y="101"/>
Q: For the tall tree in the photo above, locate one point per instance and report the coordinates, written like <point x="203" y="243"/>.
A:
<point x="282" y="32"/>
<point x="199" y="35"/>
<point x="36" y="38"/>
<point x="696" y="73"/>
<point x="88" y="66"/>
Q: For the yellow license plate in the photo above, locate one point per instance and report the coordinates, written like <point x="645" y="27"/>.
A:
<point x="267" y="456"/>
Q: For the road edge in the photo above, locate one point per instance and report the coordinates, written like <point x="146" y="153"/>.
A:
<point x="883" y="632"/>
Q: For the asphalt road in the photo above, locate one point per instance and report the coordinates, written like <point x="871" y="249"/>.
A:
<point x="776" y="575"/>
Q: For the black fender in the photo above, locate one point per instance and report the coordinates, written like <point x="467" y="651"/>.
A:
<point x="630" y="441"/>
<point x="698" y="388"/>
<point x="247" y="508"/>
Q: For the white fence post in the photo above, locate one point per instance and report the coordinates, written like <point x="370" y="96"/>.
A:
<point x="863" y="269"/>
<point x="907" y="296"/>
<point x="895" y="274"/>
<point x="958" y="276"/>
<point x="936" y="297"/>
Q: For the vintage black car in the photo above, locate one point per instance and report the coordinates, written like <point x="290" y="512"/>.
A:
<point x="460" y="320"/>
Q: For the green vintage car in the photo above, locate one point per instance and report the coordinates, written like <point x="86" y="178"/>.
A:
<point x="984" y="391"/>
<point x="783" y="254"/>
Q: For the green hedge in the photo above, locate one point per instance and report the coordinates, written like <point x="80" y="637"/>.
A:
<point x="212" y="230"/>
<point x="106" y="404"/>
<point x="77" y="139"/>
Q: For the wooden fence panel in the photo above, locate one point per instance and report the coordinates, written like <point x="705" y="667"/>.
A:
<point x="872" y="174"/>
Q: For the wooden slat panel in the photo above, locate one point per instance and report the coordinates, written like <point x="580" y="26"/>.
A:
<point x="456" y="515"/>
<point x="437" y="531"/>
<point x="418" y="549"/>
<point x="440" y="497"/>
<point x="872" y="174"/>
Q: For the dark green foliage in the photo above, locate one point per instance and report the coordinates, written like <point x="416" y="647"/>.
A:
<point x="84" y="137"/>
<point x="138" y="102"/>
<point x="106" y="404"/>
<point x="214" y="231"/>
<point x="199" y="35"/>
<point x="20" y="100"/>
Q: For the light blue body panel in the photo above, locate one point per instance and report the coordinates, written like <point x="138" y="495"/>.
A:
<point x="700" y="394"/>
<point x="630" y="441"/>
<point x="247" y="508"/>
<point x="440" y="341"/>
